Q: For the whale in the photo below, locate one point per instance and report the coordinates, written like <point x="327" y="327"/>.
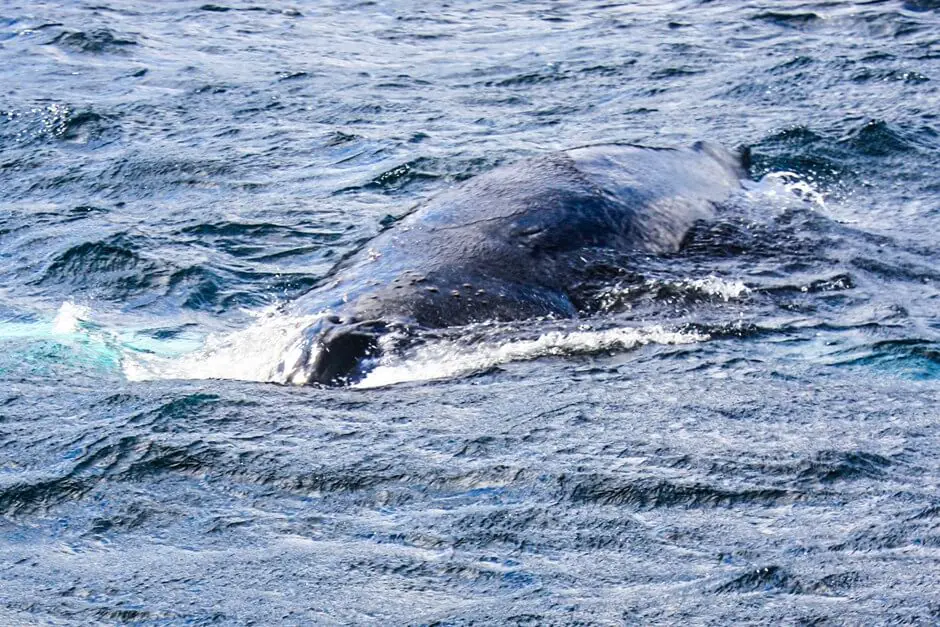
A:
<point x="515" y="243"/>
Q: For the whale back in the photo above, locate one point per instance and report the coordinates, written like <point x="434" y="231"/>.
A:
<point x="510" y="243"/>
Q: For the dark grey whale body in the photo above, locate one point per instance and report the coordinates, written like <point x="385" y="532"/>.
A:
<point x="510" y="244"/>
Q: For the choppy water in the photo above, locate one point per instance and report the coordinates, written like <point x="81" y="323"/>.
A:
<point x="746" y="431"/>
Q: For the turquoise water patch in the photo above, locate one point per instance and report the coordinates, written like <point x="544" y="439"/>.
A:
<point x="47" y="346"/>
<point x="911" y="359"/>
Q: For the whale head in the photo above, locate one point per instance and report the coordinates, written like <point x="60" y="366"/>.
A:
<point x="333" y="351"/>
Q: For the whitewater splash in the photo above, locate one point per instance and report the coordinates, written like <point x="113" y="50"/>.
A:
<point x="255" y="353"/>
<point x="447" y="359"/>
<point x="784" y="188"/>
<point x="260" y="351"/>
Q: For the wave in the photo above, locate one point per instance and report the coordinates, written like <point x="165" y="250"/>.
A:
<point x="269" y="351"/>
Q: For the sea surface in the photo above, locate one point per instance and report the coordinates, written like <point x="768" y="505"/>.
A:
<point x="745" y="432"/>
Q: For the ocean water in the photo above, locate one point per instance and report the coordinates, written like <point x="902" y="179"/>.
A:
<point x="747" y="431"/>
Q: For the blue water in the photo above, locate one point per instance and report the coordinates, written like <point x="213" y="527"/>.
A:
<point x="743" y="432"/>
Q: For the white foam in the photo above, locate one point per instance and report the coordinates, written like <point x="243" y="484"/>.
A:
<point x="614" y="296"/>
<point x="716" y="286"/>
<point x="69" y="317"/>
<point x="266" y="351"/>
<point x="785" y="187"/>
<point x="446" y="359"/>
